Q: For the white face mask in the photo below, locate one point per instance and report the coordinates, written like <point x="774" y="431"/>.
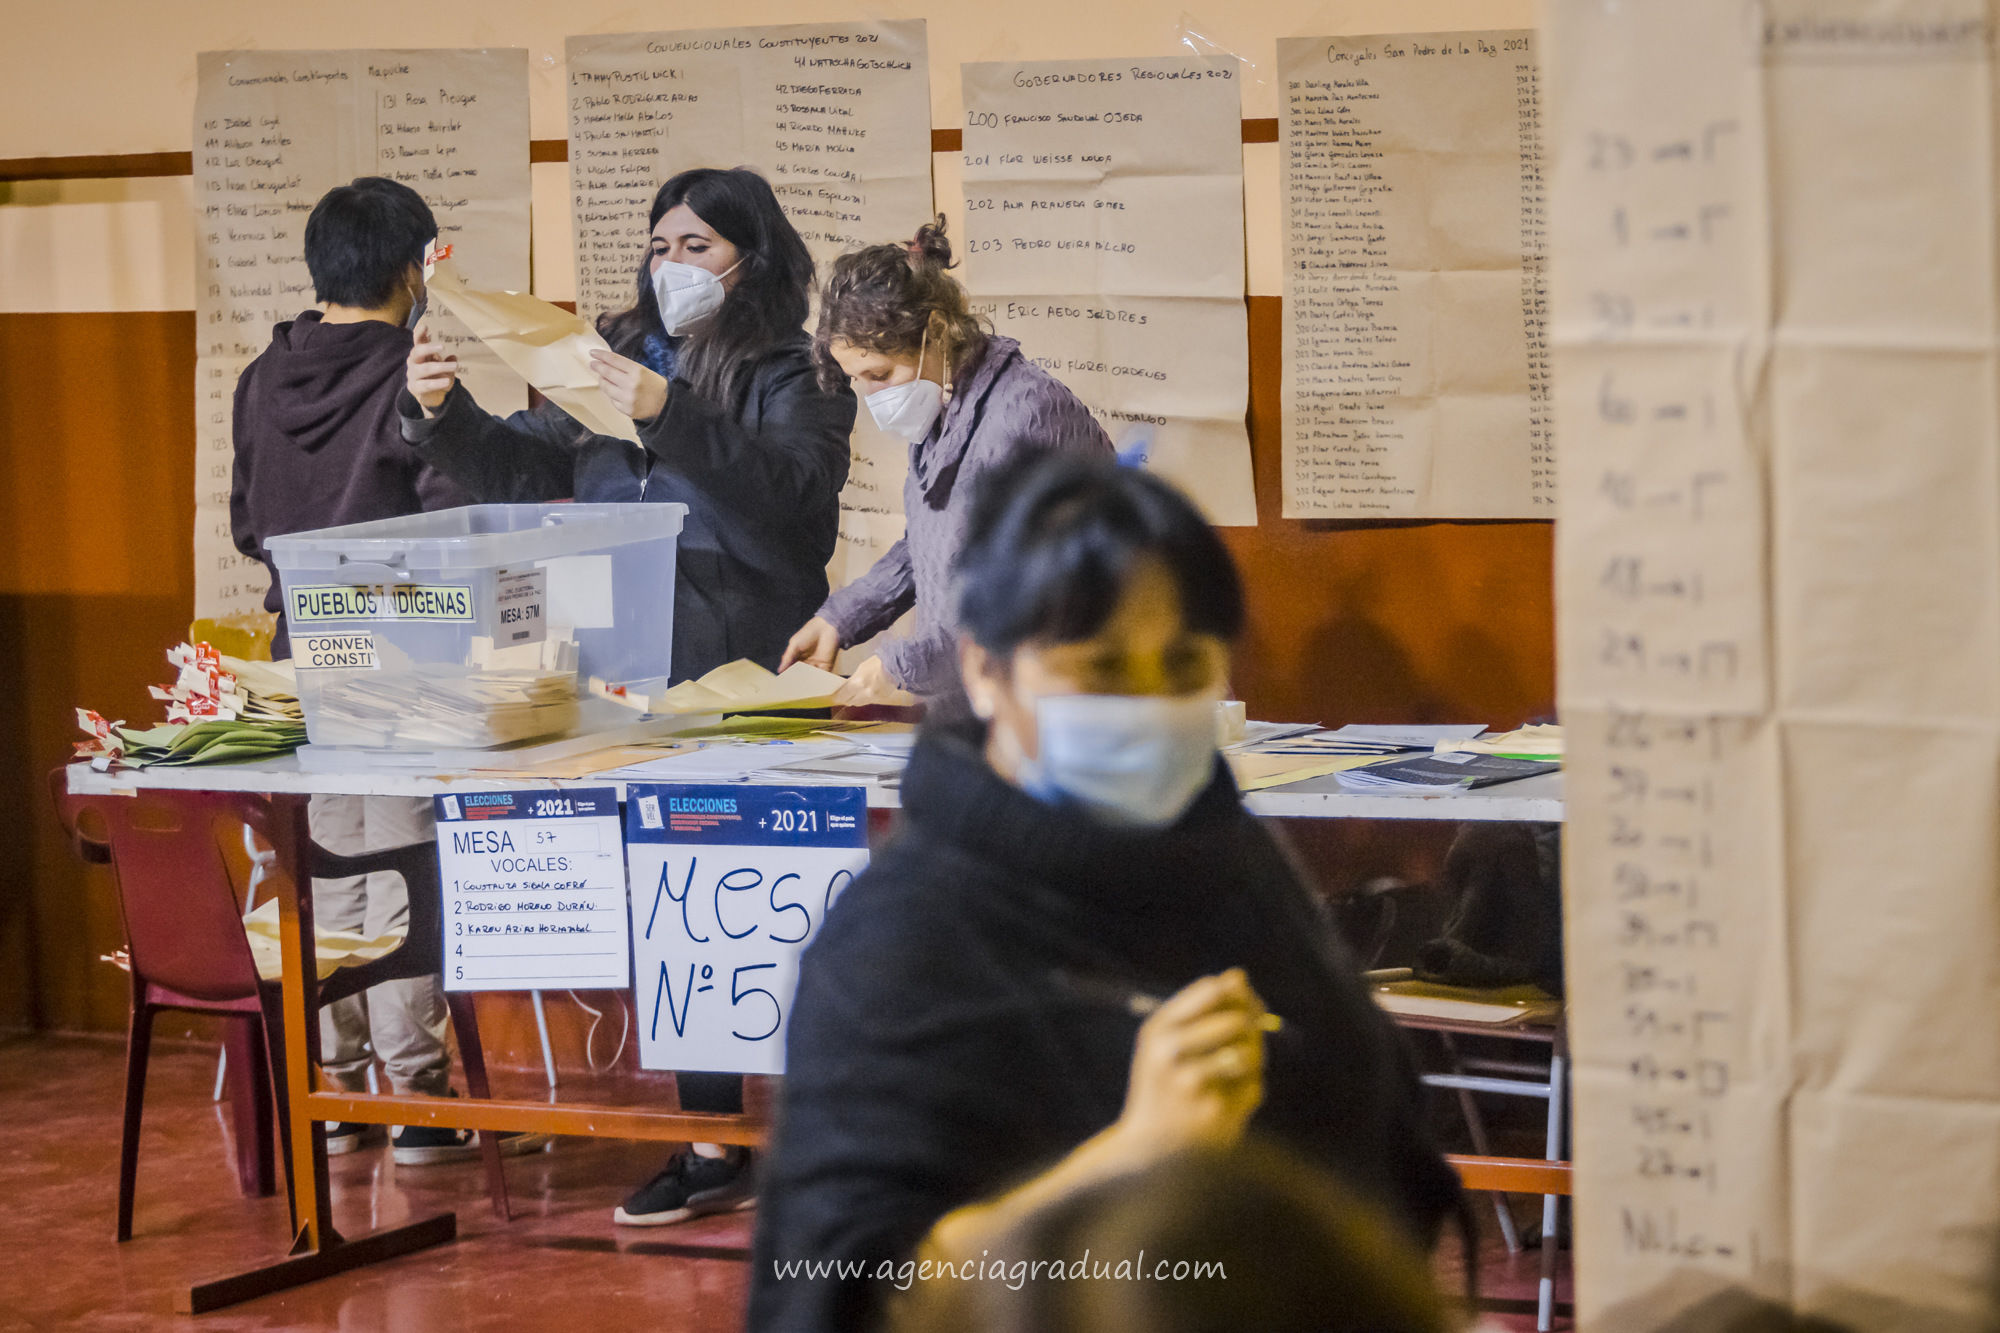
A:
<point x="687" y="295"/>
<point x="909" y="409"/>
<point x="1137" y="761"/>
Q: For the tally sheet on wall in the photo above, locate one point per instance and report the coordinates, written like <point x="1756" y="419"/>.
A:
<point x="1416" y="377"/>
<point x="837" y="116"/>
<point x="273" y="131"/>
<point x="1777" y="330"/>
<point x="1104" y="230"/>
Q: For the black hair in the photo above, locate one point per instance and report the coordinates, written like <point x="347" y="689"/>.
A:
<point x="892" y="298"/>
<point x="362" y="238"/>
<point x="766" y="307"/>
<point x="1053" y="538"/>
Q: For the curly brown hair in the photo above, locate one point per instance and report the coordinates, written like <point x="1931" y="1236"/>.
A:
<point x="887" y="298"/>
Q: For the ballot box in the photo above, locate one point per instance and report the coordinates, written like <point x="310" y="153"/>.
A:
<point x="474" y="628"/>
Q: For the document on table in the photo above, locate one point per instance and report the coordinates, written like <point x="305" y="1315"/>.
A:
<point x="1449" y="772"/>
<point x="1255" y="770"/>
<point x="733" y="761"/>
<point x="1368" y="740"/>
<point x="741" y="686"/>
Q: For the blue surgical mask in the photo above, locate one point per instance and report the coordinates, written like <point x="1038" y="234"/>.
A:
<point x="1135" y="761"/>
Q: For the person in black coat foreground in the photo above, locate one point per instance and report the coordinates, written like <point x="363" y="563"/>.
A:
<point x="967" y="1039"/>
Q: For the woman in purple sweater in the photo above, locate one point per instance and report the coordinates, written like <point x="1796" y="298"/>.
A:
<point x="896" y="325"/>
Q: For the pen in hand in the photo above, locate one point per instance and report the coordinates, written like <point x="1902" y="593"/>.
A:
<point x="1138" y="1003"/>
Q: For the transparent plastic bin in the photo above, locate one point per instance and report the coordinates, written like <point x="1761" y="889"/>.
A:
<point x="444" y="630"/>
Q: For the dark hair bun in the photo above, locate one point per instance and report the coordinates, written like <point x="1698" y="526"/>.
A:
<point x="889" y="297"/>
<point x="930" y="246"/>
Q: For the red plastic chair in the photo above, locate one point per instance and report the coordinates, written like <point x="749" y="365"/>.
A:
<point x="188" y="950"/>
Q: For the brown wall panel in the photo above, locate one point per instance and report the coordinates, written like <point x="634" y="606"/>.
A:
<point x="96" y="514"/>
<point x="1374" y="621"/>
<point x="1380" y="622"/>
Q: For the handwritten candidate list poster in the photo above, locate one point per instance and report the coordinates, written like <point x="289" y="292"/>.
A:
<point x="1104" y="230"/>
<point x="1416" y="364"/>
<point x="275" y="130"/>
<point x="837" y="116"/>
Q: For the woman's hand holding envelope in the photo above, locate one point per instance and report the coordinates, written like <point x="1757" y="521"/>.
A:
<point x="636" y="390"/>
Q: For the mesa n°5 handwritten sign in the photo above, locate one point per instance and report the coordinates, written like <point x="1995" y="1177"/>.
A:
<point x="729" y="884"/>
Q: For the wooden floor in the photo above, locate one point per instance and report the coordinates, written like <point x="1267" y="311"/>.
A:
<point x="559" y="1265"/>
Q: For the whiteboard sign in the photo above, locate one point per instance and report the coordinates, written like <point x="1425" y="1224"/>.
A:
<point x="728" y="886"/>
<point x="534" y="890"/>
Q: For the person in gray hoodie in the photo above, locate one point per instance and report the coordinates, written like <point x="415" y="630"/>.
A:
<point x="897" y="326"/>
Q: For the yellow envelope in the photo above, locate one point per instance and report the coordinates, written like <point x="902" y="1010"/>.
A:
<point x="544" y="344"/>
<point x="744" y="687"/>
<point x="335" y="948"/>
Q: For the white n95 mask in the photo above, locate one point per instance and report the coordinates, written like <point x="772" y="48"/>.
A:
<point x="907" y="410"/>
<point x="1136" y="761"/>
<point x="687" y="295"/>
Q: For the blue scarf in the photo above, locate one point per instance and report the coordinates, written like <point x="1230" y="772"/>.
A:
<point x="660" y="354"/>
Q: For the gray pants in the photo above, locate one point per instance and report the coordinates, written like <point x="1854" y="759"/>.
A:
<point x="404" y="1022"/>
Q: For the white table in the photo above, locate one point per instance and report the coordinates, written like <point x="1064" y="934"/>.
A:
<point x="1538" y="799"/>
<point x="320" y="1250"/>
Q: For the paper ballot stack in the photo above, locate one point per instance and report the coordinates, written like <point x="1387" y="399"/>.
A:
<point x="430" y="706"/>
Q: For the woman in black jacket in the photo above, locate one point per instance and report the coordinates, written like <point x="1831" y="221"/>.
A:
<point x="713" y="364"/>
<point x="1065" y="964"/>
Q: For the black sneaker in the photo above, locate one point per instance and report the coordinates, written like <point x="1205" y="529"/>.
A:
<point x="429" y="1145"/>
<point x="346" y="1136"/>
<point x="692" y="1186"/>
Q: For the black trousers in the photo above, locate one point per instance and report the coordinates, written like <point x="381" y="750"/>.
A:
<point x="711" y="1094"/>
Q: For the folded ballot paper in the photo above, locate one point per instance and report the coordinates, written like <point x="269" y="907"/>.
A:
<point x="739" y="687"/>
<point x="1532" y="742"/>
<point x="544" y="344"/>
